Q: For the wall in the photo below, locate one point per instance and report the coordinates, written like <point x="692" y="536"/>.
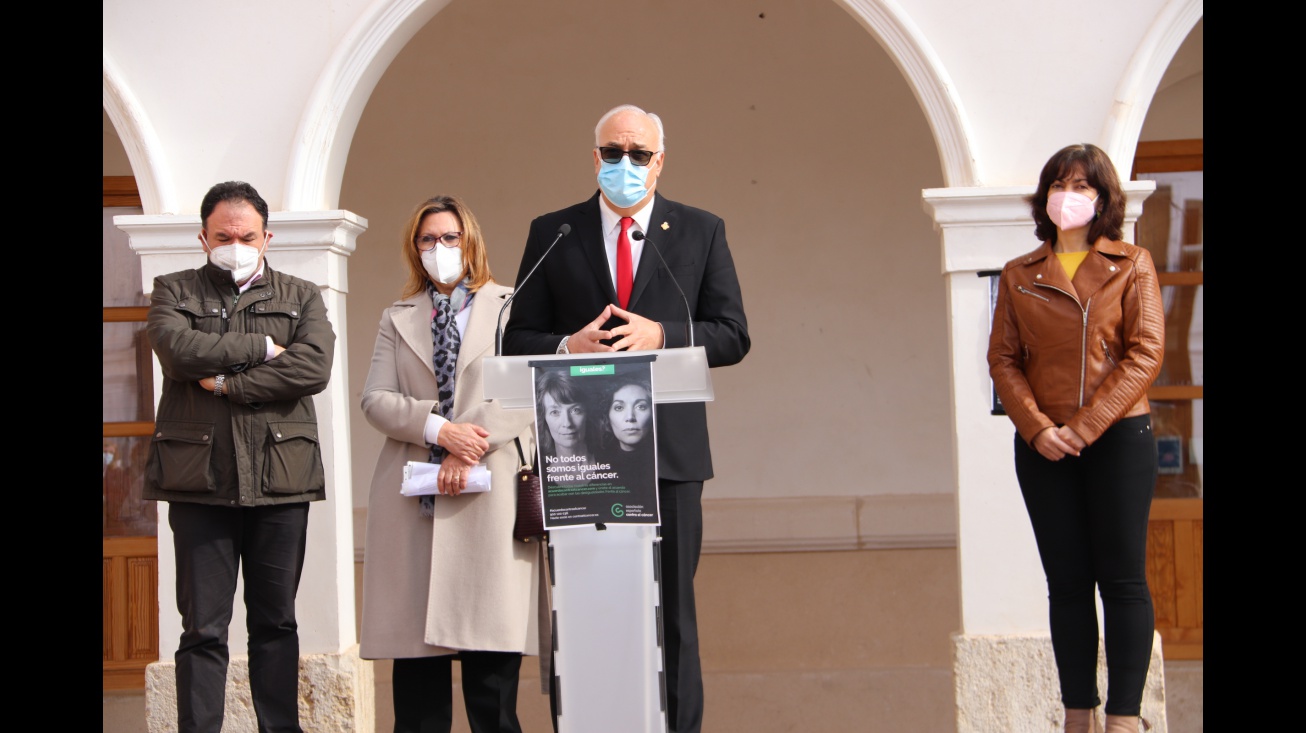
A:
<point x="1176" y="111"/>
<point x="115" y="157"/>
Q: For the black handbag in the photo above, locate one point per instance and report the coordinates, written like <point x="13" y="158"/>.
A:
<point x="530" y="513"/>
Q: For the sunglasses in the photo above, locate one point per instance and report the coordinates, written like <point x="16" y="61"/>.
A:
<point x="638" y="157"/>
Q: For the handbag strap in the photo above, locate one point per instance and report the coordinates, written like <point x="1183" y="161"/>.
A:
<point x="520" y="453"/>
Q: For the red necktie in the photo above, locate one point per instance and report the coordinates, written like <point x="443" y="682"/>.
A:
<point x="624" y="276"/>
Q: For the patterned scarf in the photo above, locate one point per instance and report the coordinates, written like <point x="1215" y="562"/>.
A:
<point x="444" y="333"/>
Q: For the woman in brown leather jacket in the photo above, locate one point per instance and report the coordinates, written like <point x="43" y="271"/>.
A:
<point x="1078" y="336"/>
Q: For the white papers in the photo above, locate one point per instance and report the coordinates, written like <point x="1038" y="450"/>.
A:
<point x="421" y="479"/>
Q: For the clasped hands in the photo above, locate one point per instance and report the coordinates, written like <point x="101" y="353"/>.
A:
<point x="637" y="334"/>
<point x="1057" y="443"/>
<point x="464" y="444"/>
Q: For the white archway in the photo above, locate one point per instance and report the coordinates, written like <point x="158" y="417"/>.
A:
<point x="317" y="163"/>
<point x="1134" y="95"/>
<point x="337" y="101"/>
<point x="338" y="98"/>
<point x="928" y="81"/>
<point x="144" y="151"/>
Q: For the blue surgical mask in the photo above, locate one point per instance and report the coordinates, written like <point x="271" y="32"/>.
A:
<point x="623" y="183"/>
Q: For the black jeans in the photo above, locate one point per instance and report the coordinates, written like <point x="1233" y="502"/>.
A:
<point x="1089" y="515"/>
<point x="423" y="692"/>
<point x="210" y="543"/>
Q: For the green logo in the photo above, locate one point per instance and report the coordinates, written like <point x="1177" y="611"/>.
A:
<point x="590" y="370"/>
<point x="618" y="510"/>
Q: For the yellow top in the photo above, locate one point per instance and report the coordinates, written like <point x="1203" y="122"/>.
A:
<point x="1071" y="261"/>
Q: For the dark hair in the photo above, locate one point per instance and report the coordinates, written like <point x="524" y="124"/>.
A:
<point x="608" y="439"/>
<point x="233" y="192"/>
<point x="565" y="392"/>
<point x="473" y="244"/>
<point x="1101" y="175"/>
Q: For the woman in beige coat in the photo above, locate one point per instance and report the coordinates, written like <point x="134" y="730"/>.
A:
<point x="443" y="574"/>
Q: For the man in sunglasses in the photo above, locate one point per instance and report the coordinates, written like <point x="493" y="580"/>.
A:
<point x="605" y="289"/>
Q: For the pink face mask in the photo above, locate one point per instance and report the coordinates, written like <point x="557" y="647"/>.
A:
<point x="1071" y="210"/>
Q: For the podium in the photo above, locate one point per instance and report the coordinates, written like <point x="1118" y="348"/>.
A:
<point x="608" y="665"/>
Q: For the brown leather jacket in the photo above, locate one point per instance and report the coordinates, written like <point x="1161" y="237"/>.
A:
<point x="1079" y="353"/>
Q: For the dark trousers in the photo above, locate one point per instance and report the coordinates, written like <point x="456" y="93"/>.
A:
<point x="211" y="543"/>
<point x="1089" y="515"/>
<point x="681" y="506"/>
<point x="423" y="692"/>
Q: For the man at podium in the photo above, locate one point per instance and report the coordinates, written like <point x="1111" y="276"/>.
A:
<point x="605" y="288"/>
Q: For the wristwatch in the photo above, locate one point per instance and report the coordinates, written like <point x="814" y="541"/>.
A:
<point x="562" y="345"/>
<point x="219" y="385"/>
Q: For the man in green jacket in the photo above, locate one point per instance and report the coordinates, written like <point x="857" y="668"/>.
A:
<point x="243" y="349"/>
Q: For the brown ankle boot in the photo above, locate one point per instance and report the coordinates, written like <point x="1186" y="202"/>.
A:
<point x="1125" y="724"/>
<point x="1080" y="720"/>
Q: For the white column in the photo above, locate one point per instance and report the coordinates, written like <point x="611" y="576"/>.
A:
<point x="1003" y="665"/>
<point x="335" y="686"/>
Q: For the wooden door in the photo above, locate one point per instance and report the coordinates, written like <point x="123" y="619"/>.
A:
<point x="1171" y="229"/>
<point x="130" y="566"/>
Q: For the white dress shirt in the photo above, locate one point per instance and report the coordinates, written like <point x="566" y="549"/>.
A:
<point x="611" y="222"/>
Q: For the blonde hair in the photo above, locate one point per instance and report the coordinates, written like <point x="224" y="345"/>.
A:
<point x="473" y="245"/>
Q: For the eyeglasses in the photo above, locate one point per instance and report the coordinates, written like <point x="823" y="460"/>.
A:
<point x="426" y="242"/>
<point x="638" y="157"/>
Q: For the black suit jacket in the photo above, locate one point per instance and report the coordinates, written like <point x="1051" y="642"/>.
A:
<point x="573" y="285"/>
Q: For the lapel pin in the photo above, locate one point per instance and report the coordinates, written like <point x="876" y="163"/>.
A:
<point x="665" y="226"/>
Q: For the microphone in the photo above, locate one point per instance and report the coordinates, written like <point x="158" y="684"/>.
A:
<point x="639" y="236"/>
<point x="563" y="231"/>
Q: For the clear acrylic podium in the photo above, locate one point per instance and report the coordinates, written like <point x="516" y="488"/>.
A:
<point x="608" y="666"/>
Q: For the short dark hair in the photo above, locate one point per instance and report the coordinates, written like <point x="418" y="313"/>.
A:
<point x="232" y="192"/>
<point x="1101" y="175"/>
<point x="620" y="381"/>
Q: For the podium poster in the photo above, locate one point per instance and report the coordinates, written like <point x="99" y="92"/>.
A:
<point x="597" y="441"/>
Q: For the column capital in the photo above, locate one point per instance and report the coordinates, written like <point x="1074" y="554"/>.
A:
<point x="168" y="243"/>
<point x="983" y="227"/>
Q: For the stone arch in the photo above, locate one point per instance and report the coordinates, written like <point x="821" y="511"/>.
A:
<point x="317" y="164"/>
<point x="1134" y="95"/>
<point x="341" y="93"/>
<point x="929" y="82"/>
<point x="144" y="151"/>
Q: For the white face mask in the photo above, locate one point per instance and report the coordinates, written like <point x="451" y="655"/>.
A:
<point x="443" y="264"/>
<point x="240" y="259"/>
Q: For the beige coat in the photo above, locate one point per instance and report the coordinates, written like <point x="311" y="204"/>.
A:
<point x="460" y="581"/>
